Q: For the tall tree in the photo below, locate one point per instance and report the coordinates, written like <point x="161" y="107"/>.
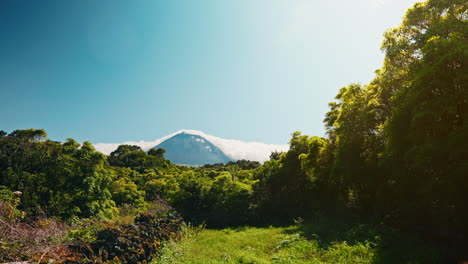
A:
<point x="428" y="129"/>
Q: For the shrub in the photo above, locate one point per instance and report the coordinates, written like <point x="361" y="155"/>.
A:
<point x="41" y="240"/>
<point x="129" y="243"/>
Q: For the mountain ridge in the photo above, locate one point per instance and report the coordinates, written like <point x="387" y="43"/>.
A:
<point x="190" y="149"/>
<point x="233" y="148"/>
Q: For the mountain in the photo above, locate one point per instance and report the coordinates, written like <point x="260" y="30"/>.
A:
<point x="236" y="149"/>
<point x="192" y="149"/>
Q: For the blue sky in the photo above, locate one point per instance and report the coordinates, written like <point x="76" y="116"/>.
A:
<point x="253" y="70"/>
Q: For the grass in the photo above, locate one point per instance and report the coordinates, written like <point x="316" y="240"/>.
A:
<point x="323" y="240"/>
<point x="262" y="245"/>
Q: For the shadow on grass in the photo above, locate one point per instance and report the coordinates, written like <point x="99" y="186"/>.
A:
<point x="390" y="245"/>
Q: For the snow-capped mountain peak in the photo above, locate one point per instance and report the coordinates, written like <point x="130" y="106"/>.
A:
<point x="191" y="149"/>
<point x="234" y="149"/>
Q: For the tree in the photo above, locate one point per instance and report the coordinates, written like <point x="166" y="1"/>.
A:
<point x="29" y="134"/>
<point x="158" y="153"/>
<point x="67" y="180"/>
<point x="354" y="126"/>
<point x="275" y="155"/>
<point x="124" y="191"/>
<point x="283" y="188"/>
<point x="135" y="158"/>
<point x="427" y="131"/>
<point x="127" y="156"/>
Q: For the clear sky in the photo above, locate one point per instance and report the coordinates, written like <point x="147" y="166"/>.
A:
<point x="253" y="70"/>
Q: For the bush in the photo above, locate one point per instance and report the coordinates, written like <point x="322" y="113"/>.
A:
<point x="41" y="240"/>
<point x="129" y="243"/>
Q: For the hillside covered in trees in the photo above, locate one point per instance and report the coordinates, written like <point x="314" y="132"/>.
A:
<point x="395" y="157"/>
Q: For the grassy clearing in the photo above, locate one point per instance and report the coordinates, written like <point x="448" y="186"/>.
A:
<point x="262" y="245"/>
<point x="321" y="240"/>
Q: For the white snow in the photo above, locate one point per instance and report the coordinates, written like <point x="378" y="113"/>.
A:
<point x="208" y="148"/>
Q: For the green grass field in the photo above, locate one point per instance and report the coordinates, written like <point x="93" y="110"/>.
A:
<point x="262" y="245"/>
<point x="325" y="240"/>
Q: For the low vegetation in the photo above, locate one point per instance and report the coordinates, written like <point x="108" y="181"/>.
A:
<point x="262" y="245"/>
<point x="324" y="240"/>
<point x="128" y="243"/>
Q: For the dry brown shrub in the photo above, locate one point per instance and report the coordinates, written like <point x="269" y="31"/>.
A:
<point x="39" y="240"/>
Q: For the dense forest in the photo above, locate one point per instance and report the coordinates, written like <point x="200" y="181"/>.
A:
<point x="395" y="154"/>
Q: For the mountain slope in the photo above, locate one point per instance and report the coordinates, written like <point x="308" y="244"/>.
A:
<point x="236" y="149"/>
<point x="192" y="149"/>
